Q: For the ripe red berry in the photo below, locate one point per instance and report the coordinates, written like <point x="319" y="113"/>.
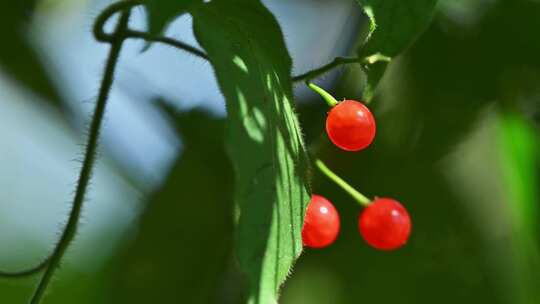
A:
<point x="321" y="223"/>
<point x="385" y="224"/>
<point x="350" y="125"/>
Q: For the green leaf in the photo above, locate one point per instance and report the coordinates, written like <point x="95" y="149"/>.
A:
<point x="184" y="236"/>
<point x="519" y="147"/>
<point x="393" y="26"/>
<point x="374" y="71"/>
<point x="162" y="12"/>
<point x="246" y="49"/>
<point x="17" y="57"/>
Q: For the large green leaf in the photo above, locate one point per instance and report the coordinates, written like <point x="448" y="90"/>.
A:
<point x="163" y="12"/>
<point x="252" y="66"/>
<point x="393" y="26"/>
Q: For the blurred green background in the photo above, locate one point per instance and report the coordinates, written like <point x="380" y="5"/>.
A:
<point x="458" y="143"/>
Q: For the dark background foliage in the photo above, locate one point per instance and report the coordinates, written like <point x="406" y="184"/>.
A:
<point x="458" y="143"/>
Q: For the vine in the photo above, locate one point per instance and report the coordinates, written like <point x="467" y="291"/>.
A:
<point x="116" y="39"/>
<point x="103" y="36"/>
<point x="89" y="158"/>
<point x="324" y="69"/>
<point x="26" y="272"/>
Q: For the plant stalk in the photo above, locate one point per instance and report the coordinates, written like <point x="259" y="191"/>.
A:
<point x="89" y="159"/>
<point x="359" y="197"/>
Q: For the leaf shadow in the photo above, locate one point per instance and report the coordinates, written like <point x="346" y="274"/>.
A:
<point x="264" y="142"/>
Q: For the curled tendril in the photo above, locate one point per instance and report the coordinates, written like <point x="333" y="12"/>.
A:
<point x="101" y="35"/>
<point x="106" y="14"/>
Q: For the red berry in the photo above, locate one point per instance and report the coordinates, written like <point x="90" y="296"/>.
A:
<point x="350" y="125"/>
<point x="321" y="223"/>
<point x="385" y="224"/>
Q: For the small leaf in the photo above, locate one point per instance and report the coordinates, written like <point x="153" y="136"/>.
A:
<point x="162" y="12"/>
<point x="393" y="26"/>
<point x="246" y="49"/>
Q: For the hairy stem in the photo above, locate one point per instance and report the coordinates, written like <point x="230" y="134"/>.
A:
<point x="26" y="272"/>
<point x="325" y="68"/>
<point x="114" y="8"/>
<point x="101" y="35"/>
<point x="359" y="197"/>
<point x="111" y="38"/>
<point x="89" y="158"/>
<point x="106" y="14"/>
<point x="166" y="40"/>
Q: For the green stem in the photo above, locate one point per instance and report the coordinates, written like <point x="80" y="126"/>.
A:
<point x="89" y="158"/>
<point x="101" y="35"/>
<point x="319" y="71"/>
<point x="26" y="272"/>
<point x="114" y="8"/>
<point x="359" y="197"/>
<point x="106" y="14"/>
<point x="376" y="58"/>
<point x="166" y="40"/>
<point x="330" y="100"/>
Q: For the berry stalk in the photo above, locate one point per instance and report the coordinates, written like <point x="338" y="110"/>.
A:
<point x="359" y="197"/>
<point x="330" y="100"/>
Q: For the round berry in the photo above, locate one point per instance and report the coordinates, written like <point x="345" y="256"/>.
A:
<point x="385" y="224"/>
<point x="350" y="125"/>
<point x="321" y="223"/>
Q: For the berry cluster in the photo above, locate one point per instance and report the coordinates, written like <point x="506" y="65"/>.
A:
<point x="384" y="223"/>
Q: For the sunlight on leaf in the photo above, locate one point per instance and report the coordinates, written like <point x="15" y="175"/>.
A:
<point x="519" y="149"/>
<point x="246" y="48"/>
<point x="255" y="122"/>
<point x="240" y="63"/>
